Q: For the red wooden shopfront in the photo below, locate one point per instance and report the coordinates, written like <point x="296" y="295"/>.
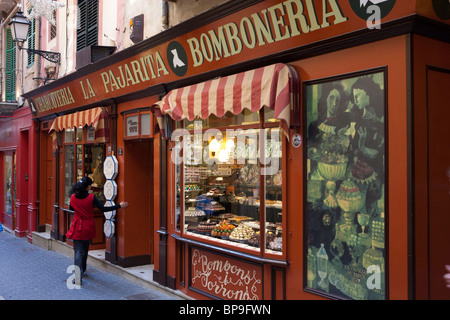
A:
<point x="18" y="203"/>
<point x="326" y="43"/>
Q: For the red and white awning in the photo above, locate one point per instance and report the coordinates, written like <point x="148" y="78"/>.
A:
<point x="274" y="86"/>
<point x="96" y="117"/>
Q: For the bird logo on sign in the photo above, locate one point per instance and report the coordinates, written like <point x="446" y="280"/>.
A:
<point x="177" y="58"/>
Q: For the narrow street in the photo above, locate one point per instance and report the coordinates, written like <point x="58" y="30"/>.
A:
<point x="28" y="272"/>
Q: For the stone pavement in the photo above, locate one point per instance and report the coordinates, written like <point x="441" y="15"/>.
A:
<point x="28" y="272"/>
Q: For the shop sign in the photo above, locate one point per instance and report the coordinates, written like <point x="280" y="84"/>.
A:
<point x="110" y="167"/>
<point x="109" y="228"/>
<point x="265" y="28"/>
<point x="110" y="190"/>
<point x="110" y="171"/>
<point x="132" y="126"/>
<point x="224" y="277"/>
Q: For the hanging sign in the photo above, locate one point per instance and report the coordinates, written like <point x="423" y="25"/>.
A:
<point x="110" y="167"/>
<point x="110" y="171"/>
<point x="109" y="228"/>
<point x="110" y="215"/>
<point x="110" y="190"/>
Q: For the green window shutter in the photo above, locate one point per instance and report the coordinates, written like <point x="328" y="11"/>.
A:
<point x="87" y="31"/>
<point x="31" y="39"/>
<point x="10" y="64"/>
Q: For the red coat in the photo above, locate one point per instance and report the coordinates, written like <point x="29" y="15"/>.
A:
<point x="83" y="226"/>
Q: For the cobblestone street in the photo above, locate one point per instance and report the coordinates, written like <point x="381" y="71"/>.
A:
<point x="28" y="272"/>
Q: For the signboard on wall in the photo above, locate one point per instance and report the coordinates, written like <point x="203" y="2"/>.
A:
<point x="262" y="29"/>
<point x="224" y="277"/>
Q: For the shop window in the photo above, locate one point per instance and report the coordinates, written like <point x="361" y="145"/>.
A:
<point x="228" y="180"/>
<point x="345" y="187"/>
<point x="82" y="158"/>
<point x="8" y="184"/>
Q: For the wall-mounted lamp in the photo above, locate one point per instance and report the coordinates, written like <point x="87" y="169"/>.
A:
<point x="19" y="29"/>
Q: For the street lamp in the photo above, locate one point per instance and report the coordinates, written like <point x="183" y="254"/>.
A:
<point x="19" y="30"/>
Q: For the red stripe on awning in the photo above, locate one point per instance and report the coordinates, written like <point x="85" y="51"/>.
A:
<point x="274" y="86"/>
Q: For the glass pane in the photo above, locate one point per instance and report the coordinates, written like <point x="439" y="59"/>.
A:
<point x="90" y="134"/>
<point x="79" y="162"/>
<point x="246" y="117"/>
<point x="69" y="135"/>
<point x="145" y="124"/>
<point x="178" y="183"/>
<point x="132" y="126"/>
<point x="8" y="174"/>
<point x="68" y="172"/>
<point x="93" y="168"/>
<point x="344" y="212"/>
<point x="221" y="186"/>
<point x="80" y="134"/>
<point x="273" y="189"/>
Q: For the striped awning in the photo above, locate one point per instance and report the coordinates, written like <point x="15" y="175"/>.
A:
<point x="96" y="117"/>
<point x="274" y="86"/>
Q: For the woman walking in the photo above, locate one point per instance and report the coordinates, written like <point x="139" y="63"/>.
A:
<point x="82" y="229"/>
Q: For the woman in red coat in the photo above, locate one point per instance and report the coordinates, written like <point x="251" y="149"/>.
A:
<point x="82" y="229"/>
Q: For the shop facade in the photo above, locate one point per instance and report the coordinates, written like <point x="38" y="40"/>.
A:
<point x="19" y="199"/>
<point x="268" y="150"/>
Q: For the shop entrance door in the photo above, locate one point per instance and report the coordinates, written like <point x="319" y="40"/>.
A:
<point x="139" y="193"/>
<point x="439" y="181"/>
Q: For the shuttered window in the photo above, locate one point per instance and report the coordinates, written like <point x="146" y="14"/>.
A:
<point x="87" y="31"/>
<point x="10" y="64"/>
<point x="31" y="39"/>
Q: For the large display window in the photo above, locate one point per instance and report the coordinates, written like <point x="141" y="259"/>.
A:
<point x="345" y="186"/>
<point x="228" y="180"/>
<point x="82" y="158"/>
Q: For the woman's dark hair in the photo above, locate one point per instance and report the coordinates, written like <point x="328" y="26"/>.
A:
<point x="322" y="104"/>
<point x="81" y="185"/>
<point x="373" y="90"/>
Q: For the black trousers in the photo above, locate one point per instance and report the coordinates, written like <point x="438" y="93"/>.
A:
<point x="81" y="249"/>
